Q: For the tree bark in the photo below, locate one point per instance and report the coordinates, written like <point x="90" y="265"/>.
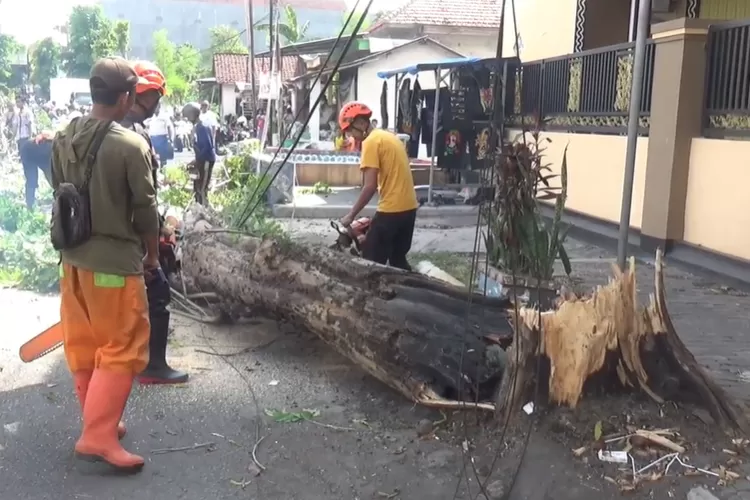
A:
<point x="418" y="336"/>
<point x="407" y="330"/>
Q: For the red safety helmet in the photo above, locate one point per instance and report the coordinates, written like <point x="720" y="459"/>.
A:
<point x="351" y="111"/>
<point x="150" y="78"/>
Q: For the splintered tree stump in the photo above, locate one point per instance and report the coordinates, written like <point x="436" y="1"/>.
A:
<point x="607" y="337"/>
<point x="419" y="336"/>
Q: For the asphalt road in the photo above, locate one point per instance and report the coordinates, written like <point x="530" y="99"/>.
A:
<point x="376" y="451"/>
<point x="364" y="444"/>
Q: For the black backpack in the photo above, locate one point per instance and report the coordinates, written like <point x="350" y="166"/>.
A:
<point x="70" y="226"/>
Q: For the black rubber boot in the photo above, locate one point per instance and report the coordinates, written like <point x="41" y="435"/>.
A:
<point x="158" y="371"/>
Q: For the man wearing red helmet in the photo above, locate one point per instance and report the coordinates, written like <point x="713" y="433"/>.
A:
<point x="151" y="88"/>
<point x="386" y="170"/>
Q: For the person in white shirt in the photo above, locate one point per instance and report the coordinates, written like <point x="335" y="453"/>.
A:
<point x="161" y="131"/>
<point x="209" y="119"/>
<point x="23" y="128"/>
<point x="184" y="132"/>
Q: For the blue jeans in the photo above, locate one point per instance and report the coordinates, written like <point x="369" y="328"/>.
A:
<point x="35" y="157"/>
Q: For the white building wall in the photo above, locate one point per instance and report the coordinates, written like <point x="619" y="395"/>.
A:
<point x="369" y="86"/>
<point x="228" y="99"/>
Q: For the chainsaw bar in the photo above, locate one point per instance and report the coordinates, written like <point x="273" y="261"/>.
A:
<point x="41" y="354"/>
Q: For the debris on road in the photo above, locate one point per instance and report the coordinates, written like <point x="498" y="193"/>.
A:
<point x="210" y="446"/>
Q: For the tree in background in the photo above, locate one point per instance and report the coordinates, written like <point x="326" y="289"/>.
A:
<point x="9" y="48"/>
<point x="181" y="66"/>
<point x="290" y="29"/>
<point x="122" y="36"/>
<point x="46" y="59"/>
<point x="224" y="40"/>
<point x="366" y="24"/>
<point x="90" y="36"/>
<point x="227" y="40"/>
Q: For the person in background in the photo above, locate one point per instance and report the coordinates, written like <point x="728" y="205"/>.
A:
<point x="103" y="304"/>
<point x="161" y="132"/>
<point x="343" y="142"/>
<point x="22" y="128"/>
<point x="152" y="86"/>
<point x="260" y="123"/>
<point x="386" y="170"/>
<point x="373" y="123"/>
<point x="205" y="153"/>
<point x="209" y="119"/>
<point x="183" y="132"/>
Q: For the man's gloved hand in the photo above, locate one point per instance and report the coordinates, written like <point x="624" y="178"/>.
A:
<point x="155" y="277"/>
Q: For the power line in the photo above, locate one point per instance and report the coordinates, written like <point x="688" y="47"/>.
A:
<point x="249" y="209"/>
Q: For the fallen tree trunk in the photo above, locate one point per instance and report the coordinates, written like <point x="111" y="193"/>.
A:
<point x="409" y="331"/>
<point x="418" y="336"/>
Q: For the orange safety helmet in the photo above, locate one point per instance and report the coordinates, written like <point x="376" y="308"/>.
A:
<point x="150" y="78"/>
<point x="352" y="110"/>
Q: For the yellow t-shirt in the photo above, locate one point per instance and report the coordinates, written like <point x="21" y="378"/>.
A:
<point x="385" y="152"/>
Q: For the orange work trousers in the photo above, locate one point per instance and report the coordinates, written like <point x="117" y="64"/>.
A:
<point x="104" y="321"/>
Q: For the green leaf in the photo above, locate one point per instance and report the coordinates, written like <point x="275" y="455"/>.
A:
<point x="565" y="260"/>
<point x="598" y="431"/>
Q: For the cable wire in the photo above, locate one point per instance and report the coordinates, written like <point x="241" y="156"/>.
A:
<point x="246" y="214"/>
<point x="248" y="209"/>
<point x="495" y="133"/>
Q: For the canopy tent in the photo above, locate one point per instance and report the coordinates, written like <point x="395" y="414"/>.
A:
<point x="452" y="63"/>
<point x="437" y="67"/>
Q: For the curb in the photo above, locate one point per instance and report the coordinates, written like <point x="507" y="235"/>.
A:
<point x="338" y="211"/>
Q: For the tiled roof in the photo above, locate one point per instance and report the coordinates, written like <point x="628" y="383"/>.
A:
<point x="232" y="68"/>
<point x="456" y="13"/>
<point x="375" y="55"/>
<point x="335" y="5"/>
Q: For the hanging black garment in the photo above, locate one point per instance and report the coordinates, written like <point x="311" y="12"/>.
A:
<point x="485" y="83"/>
<point x="425" y="118"/>
<point x="481" y="146"/>
<point x="404" y="118"/>
<point x="465" y="99"/>
<point x="453" y="146"/>
<point x="384" y="105"/>
<point x="414" y="110"/>
<point x="428" y="106"/>
<point x="425" y="121"/>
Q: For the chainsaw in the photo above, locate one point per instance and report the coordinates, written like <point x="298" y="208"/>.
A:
<point x="352" y="238"/>
<point x="52" y="338"/>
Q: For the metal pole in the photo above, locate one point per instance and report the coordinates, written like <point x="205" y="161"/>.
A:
<point x="632" y="20"/>
<point x="435" y="111"/>
<point x="277" y="80"/>
<point x="251" y="63"/>
<point x="639" y="62"/>
<point x="271" y="41"/>
<point x="395" y="104"/>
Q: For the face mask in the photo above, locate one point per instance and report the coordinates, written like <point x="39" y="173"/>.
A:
<point x="149" y="112"/>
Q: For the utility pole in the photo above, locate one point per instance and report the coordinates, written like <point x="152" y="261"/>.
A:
<point x="639" y="64"/>
<point x="250" y="30"/>
<point x="271" y="40"/>
<point x="277" y="80"/>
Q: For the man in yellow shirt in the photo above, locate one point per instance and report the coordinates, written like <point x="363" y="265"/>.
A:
<point x="385" y="167"/>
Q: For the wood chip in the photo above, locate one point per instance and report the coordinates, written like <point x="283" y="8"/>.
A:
<point x="660" y="440"/>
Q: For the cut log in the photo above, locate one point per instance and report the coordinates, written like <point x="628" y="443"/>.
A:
<point x="407" y="330"/>
<point x="420" y="337"/>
